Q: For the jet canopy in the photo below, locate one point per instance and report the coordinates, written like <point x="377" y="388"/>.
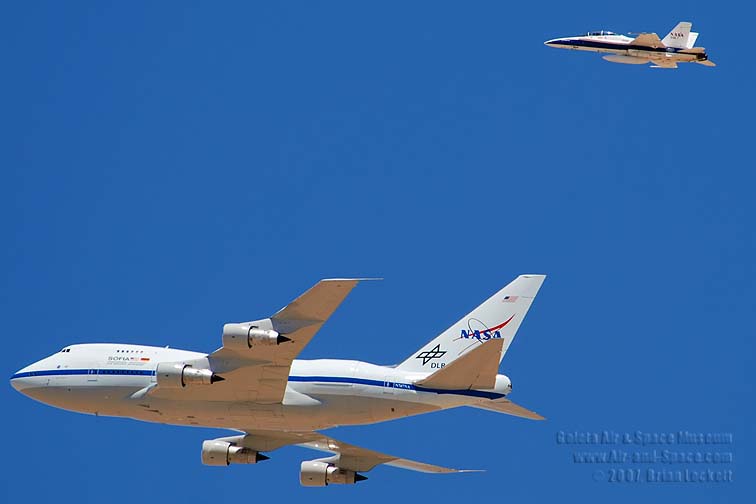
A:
<point x="602" y="32"/>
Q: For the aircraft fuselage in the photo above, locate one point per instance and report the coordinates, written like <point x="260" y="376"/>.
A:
<point x="622" y="49"/>
<point x="120" y="380"/>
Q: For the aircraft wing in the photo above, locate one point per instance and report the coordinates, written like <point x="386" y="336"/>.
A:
<point x="298" y="321"/>
<point x="259" y="373"/>
<point x="647" y="40"/>
<point x="345" y="456"/>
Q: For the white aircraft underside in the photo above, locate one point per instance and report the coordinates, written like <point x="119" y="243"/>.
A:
<point x="253" y="384"/>
<point x="676" y="47"/>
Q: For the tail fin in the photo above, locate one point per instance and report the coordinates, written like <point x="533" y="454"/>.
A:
<point x="497" y="318"/>
<point x="680" y="36"/>
<point x="692" y="40"/>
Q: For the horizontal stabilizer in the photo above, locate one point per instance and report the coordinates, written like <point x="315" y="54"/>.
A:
<point x="476" y="369"/>
<point x="707" y="63"/>
<point x="509" y="408"/>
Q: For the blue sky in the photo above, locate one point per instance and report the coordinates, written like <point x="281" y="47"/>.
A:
<point x="168" y="168"/>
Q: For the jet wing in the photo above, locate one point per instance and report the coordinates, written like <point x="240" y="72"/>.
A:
<point x="298" y="321"/>
<point x="345" y="456"/>
<point x="647" y="40"/>
<point x="260" y="373"/>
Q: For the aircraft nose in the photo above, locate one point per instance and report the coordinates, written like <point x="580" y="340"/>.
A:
<point x="25" y="379"/>
<point x="16" y="381"/>
<point x="551" y="42"/>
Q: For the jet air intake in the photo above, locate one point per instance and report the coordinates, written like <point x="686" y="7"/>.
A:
<point x="251" y="334"/>
<point x="316" y="473"/>
<point x="180" y="375"/>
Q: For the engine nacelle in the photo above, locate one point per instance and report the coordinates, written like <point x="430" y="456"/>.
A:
<point x="223" y="453"/>
<point x="316" y="473"/>
<point x="179" y="375"/>
<point x="248" y="335"/>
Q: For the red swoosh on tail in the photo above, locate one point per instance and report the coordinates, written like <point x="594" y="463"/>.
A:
<point x="501" y="325"/>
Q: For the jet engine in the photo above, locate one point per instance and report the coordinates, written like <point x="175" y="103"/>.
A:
<point x="222" y="453"/>
<point x="627" y="60"/>
<point x="179" y="375"/>
<point x="251" y="334"/>
<point x="316" y="473"/>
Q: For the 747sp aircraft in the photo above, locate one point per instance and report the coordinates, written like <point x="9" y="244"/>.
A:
<point x="254" y="384"/>
<point x="676" y="47"/>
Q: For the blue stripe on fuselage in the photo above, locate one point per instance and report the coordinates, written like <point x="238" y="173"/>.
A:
<point x="94" y="372"/>
<point x="598" y="44"/>
<point x="396" y="385"/>
<point x="301" y="379"/>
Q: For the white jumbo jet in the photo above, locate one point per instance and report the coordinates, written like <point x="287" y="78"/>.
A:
<point x="676" y="47"/>
<point x="254" y="384"/>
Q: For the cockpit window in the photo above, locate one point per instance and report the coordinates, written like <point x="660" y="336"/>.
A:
<point x="602" y="32"/>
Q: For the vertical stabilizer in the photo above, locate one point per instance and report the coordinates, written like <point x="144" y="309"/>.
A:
<point x="679" y="36"/>
<point x="692" y="40"/>
<point x="499" y="317"/>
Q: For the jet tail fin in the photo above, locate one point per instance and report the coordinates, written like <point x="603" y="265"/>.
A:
<point x="499" y="317"/>
<point x="680" y="36"/>
<point x="476" y="369"/>
<point x="692" y="40"/>
<point x="508" y="408"/>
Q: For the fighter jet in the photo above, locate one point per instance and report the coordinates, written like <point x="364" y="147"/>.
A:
<point x="676" y="47"/>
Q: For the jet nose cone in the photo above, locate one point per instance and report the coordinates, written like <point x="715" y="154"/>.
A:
<point x="16" y="381"/>
<point x="551" y="42"/>
<point x="23" y="379"/>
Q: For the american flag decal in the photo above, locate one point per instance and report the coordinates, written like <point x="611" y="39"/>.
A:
<point x="509" y="299"/>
